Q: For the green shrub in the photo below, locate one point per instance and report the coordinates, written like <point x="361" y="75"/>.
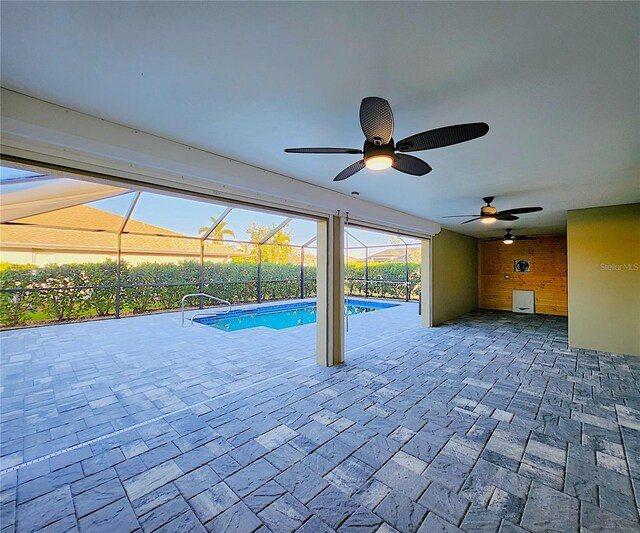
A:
<point x="173" y="277"/>
<point x="310" y="283"/>
<point x="140" y="299"/>
<point x="280" y="281"/>
<point x="235" y="282"/>
<point x="379" y="275"/>
<point x="60" y="300"/>
<point x="103" y="300"/>
<point x="15" y="307"/>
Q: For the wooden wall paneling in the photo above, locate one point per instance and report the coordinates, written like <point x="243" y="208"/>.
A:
<point x="547" y="278"/>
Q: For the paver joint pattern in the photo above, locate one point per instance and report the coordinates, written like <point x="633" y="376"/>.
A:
<point x="486" y="423"/>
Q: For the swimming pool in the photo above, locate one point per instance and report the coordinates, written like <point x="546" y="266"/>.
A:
<point x="282" y="316"/>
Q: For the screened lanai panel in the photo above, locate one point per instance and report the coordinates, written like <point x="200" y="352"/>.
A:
<point x="249" y="225"/>
<point x="360" y="237"/>
<point x="381" y="265"/>
<point x="116" y="206"/>
<point x="302" y="231"/>
<point x="34" y="203"/>
<point x="157" y="214"/>
<point x="54" y="240"/>
<point x="172" y="246"/>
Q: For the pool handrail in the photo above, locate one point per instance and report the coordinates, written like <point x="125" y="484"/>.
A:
<point x="202" y="295"/>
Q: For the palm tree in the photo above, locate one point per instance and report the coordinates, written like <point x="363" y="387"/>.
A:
<point x="270" y="254"/>
<point x="283" y="253"/>
<point x="220" y="232"/>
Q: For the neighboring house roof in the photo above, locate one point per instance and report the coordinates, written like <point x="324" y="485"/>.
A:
<point x="85" y="217"/>
<point x="396" y="255"/>
<point x="83" y="229"/>
<point x="393" y="254"/>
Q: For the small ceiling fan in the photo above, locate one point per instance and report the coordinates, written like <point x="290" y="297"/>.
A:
<point x="489" y="214"/>
<point x="380" y="152"/>
<point x="509" y="238"/>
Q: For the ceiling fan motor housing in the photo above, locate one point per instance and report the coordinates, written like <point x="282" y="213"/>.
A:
<point x="488" y="210"/>
<point x="371" y="150"/>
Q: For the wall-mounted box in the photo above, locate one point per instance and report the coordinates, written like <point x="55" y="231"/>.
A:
<point x="523" y="302"/>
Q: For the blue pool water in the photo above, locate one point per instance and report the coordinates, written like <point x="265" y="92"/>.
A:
<point x="282" y="316"/>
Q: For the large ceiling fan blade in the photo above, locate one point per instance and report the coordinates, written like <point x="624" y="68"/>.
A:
<point x="472" y="220"/>
<point x="323" y="151"/>
<point x="502" y="216"/>
<point x="519" y="210"/>
<point x="440" y="137"/>
<point x="376" y="120"/>
<point x="411" y="165"/>
<point x="350" y="171"/>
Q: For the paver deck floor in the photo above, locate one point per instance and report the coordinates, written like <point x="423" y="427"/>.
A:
<point x="66" y="384"/>
<point x="486" y="423"/>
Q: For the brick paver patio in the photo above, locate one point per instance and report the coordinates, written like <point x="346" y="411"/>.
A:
<point x="486" y="423"/>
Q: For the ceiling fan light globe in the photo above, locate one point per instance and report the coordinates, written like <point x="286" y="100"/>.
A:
<point x="488" y="220"/>
<point x="508" y="241"/>
<point x="379" y="162"/>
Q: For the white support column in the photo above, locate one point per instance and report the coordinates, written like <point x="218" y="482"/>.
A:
<point x="330" y="283"/>
<point x="425" y="294"/>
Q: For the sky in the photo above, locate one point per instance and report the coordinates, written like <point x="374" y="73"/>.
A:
<point x="11" y="173"/>
<point x="187" y="216"/>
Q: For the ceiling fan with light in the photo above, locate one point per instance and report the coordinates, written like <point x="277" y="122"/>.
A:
<point x="509" y="238"/>
<point x="380" y="151"/>
<point x="489" y="214"/>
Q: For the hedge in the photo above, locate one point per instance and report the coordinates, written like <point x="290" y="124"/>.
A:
<point x="15" y="307"/>
<point x="63" y="292"/>
<point x="380" y="276"/>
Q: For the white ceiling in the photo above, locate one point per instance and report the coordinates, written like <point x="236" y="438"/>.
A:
<point x="558" y="84"/>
